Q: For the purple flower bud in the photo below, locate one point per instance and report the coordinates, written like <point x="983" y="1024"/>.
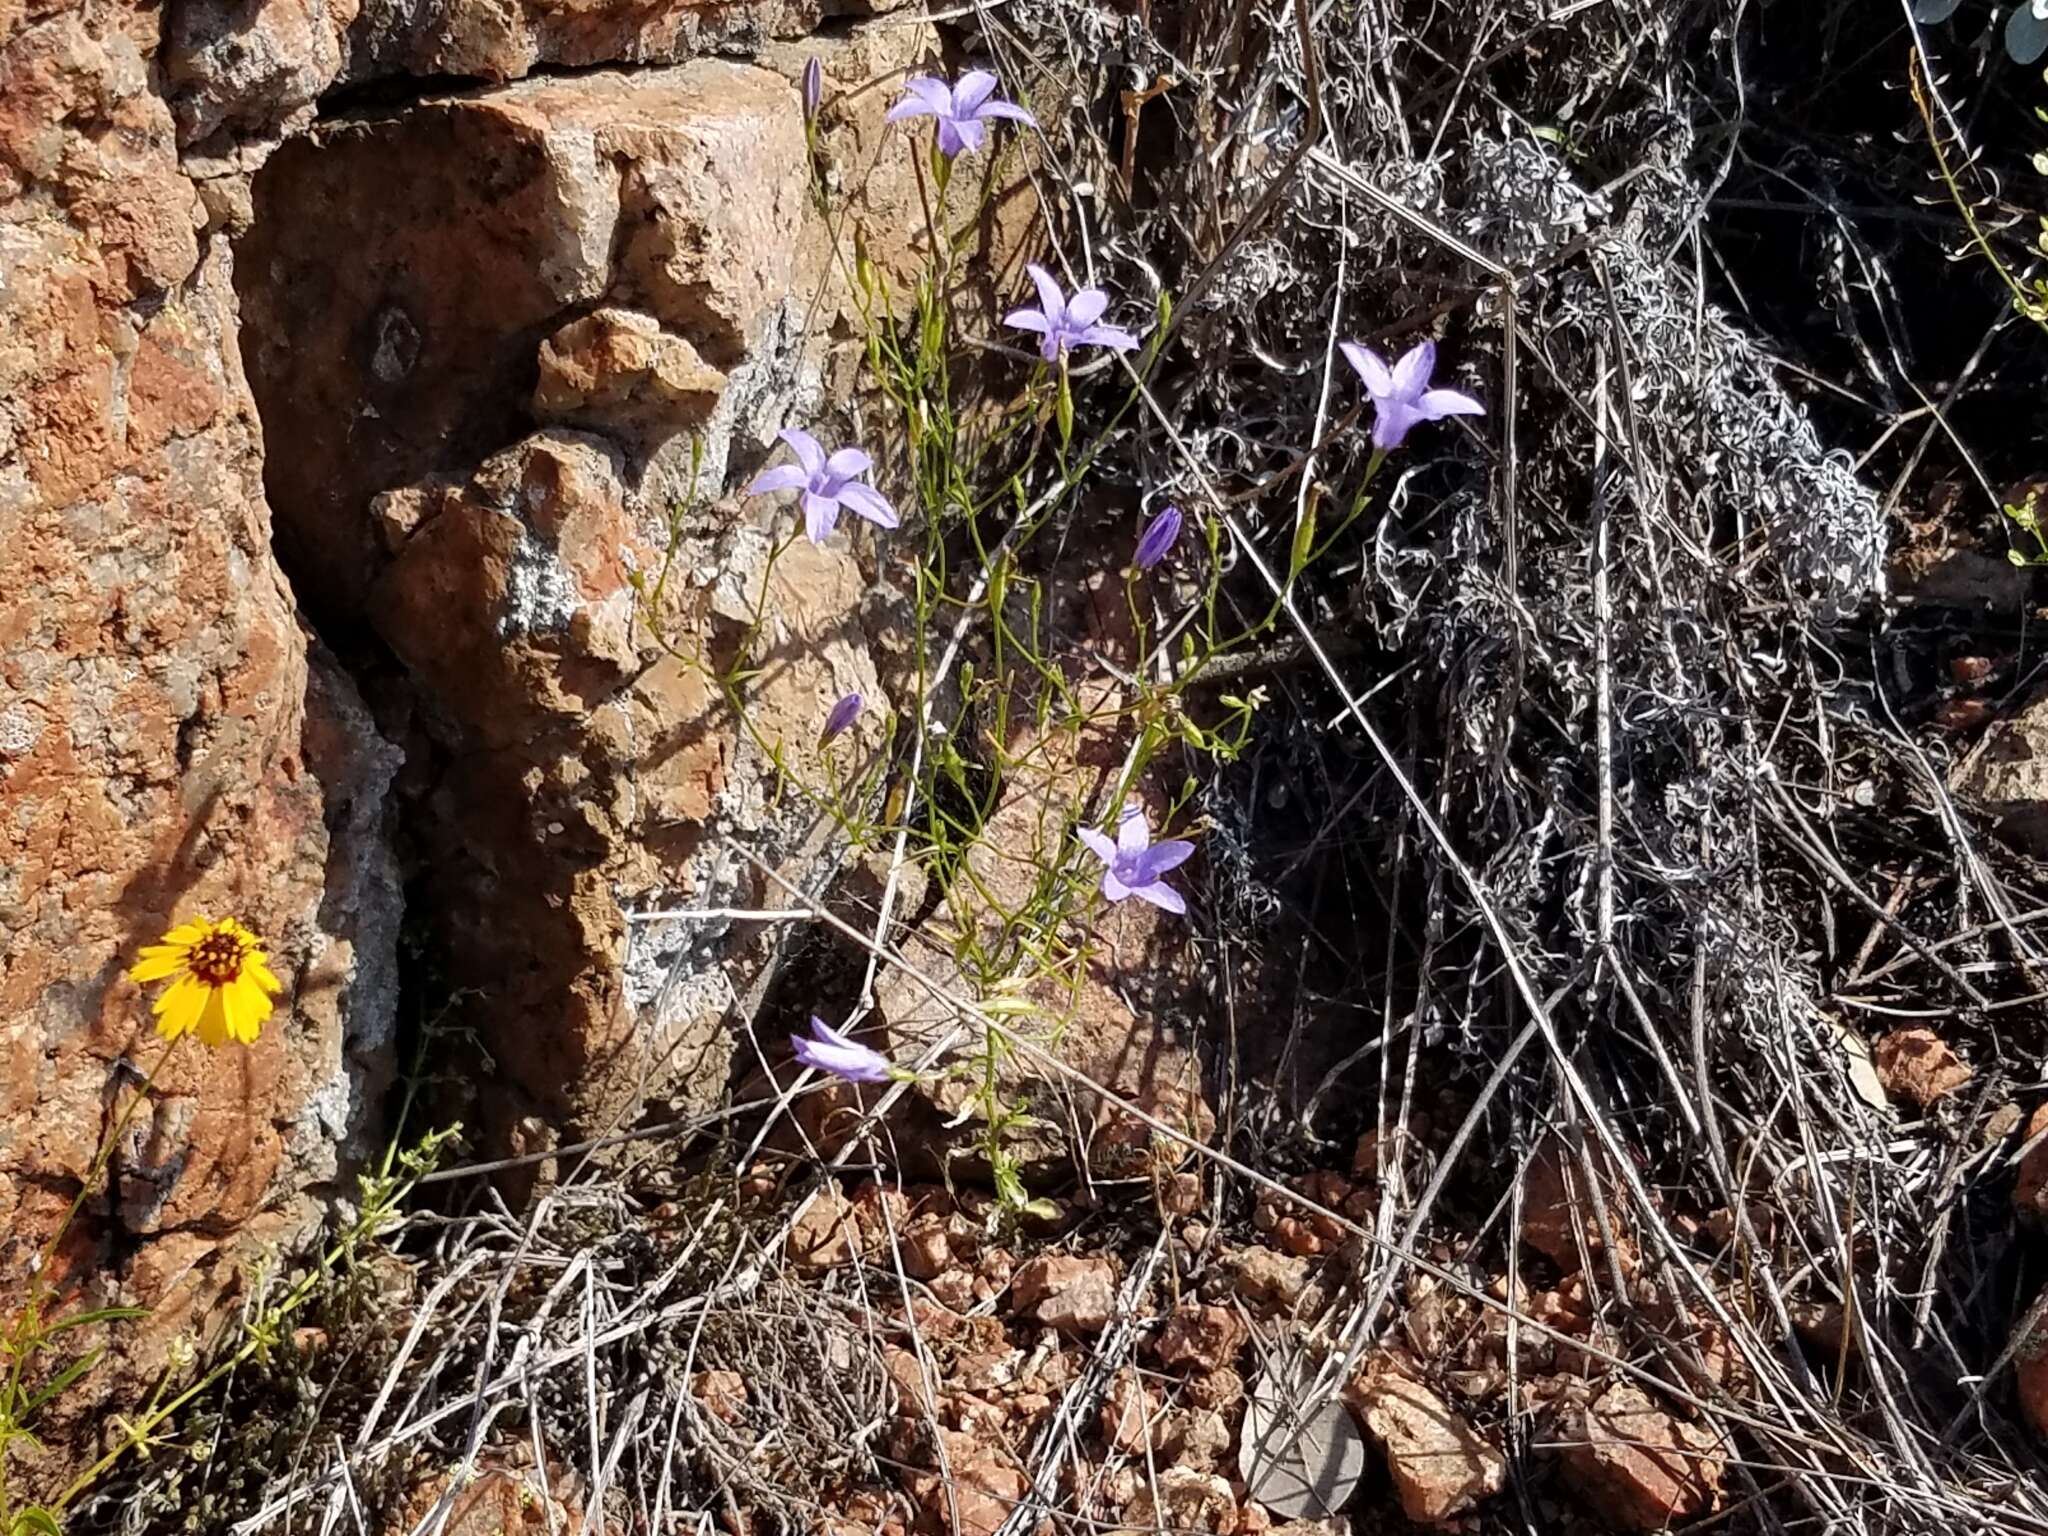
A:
<point x="1160" y="535"/>
<point x="827" y="1050"/>
<point x="844" y="713"/>
<point x="813" y="88"/>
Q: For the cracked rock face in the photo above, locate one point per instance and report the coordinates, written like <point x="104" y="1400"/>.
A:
<point x="170" y="742"/>
<point x="249" y="73"/>
<point x="494" y="329"/>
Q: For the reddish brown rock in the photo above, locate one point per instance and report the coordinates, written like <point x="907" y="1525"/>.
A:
<point x="927" y="1251"/>
<point x="1917" y="1065"/>
<point x="1637" y="1466"/>
<point x="1127" y="1412"/>
<point x="395" y="300"/>
<point x="1183" y="1499"/>
<point x="618" y="369"/>
<point x="168" y="744"/>
<point x="1073" y="1294"/>
<point x="1271" y="1281"/>
<point x="2030" y="1186"/>
<point x="2030" y="1370"/>
<point x="827" y="1234"/>
<point x="1180" y="1194"/>
<point x="2008" y="774"/>
<point x="251" y="71"/>
<point x="640" y="236"/>
<point x="978" y="1497"/>
<point x="1216" y="1389"/>
<point x="723" y="1393"/>
<point x="1200" y="1338"/>
<point x="1558" y="1213"/>
<point x="496" y="1501"/>
<point x="1195" y="1437"/>
<point x="1440" y="1464"/>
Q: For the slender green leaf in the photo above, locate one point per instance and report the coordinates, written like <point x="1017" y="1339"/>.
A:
<point x="98" y="1315"/>
<point x="63" y="1380"/>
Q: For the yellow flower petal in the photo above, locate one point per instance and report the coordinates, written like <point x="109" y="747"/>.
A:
<point x="247" y="1009"/>
<point x="213" y="1020"/>
<point x="255" y="968"/>
<point x="233" y="1010"/>
<point x="157" y="962"/>
<point x="188" y="934"/>
<point x="180" y="1006"/>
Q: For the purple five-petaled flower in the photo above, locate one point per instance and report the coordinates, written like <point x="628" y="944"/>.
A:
<point x="830" y="1051"/>
<point x="843" y="714"/>
<point x="1063" y="322"/>
<point x="1158" y="539"/>
<point x="1401" y="396"/>
<point x="1134" y="863"/>
<point x="963" y="108"/>
<point x="828" y="483"/>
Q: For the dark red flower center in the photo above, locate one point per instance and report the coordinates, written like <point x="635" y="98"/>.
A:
<point x="217" y="958"/>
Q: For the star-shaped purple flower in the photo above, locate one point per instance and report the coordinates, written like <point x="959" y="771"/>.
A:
<point x="828" y="483"/>
<point x="830" y="1051"/>
<point x="1401" y="396"/>
<point x="963" y="108"/>
<point x="1134" y="863"/>
<point x="1064" y="322"/>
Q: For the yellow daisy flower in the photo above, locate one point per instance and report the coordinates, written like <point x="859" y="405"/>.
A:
<point x="224" y="981"/>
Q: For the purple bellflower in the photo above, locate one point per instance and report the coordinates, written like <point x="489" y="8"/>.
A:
<point x="1134" y="863"/>
<point x="1063" y="322"/>
<point x="963" y="109"/>
<point x="1158" y="539"/>
<point x="828" y="484"/>
<point x="1401" y="396"/>
<point x="813" y="88"/>
<point x="844" y="713"/>
<point x="829" y="1051"/>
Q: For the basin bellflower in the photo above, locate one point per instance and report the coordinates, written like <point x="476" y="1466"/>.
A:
<point x="812" y="89"/>
<point x="828" y="483"/>
<point x="224" y="982"/>
<point x="1134" y="863"/>
<point x="1158" y="539"/>
<point x="1063" y="322"/>
<point x="843" y="714"/>
<point x="1401" y="396"/>
<point x="963" y="109"/>
<point x="830" y="1051"/>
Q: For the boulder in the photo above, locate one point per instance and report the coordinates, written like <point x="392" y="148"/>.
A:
<point x="171" y="743"/>
<point x="400" y="307"/>
<point x="626" y="278"/>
